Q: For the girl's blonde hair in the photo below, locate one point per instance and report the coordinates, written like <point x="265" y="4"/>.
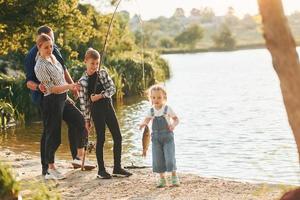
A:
<point x="157" y="88"/>
<point x="41" y="39"/>
<point x="92" y="53"/>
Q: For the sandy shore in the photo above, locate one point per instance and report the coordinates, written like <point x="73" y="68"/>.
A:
<point x="84" y="184"/>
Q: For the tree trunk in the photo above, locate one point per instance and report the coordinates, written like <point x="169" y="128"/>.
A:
<point x="281" y="44"/>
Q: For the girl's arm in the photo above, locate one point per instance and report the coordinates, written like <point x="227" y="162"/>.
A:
<point x="175" y="122"/>
<point x="145" y="122"/>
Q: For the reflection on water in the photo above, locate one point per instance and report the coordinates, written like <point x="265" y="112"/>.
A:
<point x="232" y="120"/>
<point x="27" y="139"/>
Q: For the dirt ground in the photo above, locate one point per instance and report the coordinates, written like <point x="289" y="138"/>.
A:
<point x="141" y="185"/>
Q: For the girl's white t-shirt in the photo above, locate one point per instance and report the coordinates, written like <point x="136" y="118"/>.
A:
<point x="170" y="113"/>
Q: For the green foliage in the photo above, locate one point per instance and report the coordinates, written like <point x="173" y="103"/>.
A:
<point x="132" y="73"/>
<point x="7" y="113"/>
<point x="42" y="192"/>
<point x="76" y="69"/>
<point x="76" y="27"/>
<point x="118" y="81"/>
<point x="13" y="91"/>
<point x="9" y="186"/>
<point x="224" y="39"/>
<point x="166" y="43"/>
<point x="190" y="36"/>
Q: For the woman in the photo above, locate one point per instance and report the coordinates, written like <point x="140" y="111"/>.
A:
<point x="51" y="74"/>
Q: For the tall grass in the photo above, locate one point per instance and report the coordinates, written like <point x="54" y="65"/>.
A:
<point x="9" y="187"/>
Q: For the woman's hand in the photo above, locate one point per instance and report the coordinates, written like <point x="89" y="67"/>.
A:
<point x="42" y="88"/>
<point x="74" y="86"/>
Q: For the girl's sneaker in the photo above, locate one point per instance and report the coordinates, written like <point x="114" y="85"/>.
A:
<point x="175" y="181"/>
<point x="161" y="183"/>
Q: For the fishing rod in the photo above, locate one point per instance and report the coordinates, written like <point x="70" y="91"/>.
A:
<point x="102" y="53"/>
<point x="142" y="43"/>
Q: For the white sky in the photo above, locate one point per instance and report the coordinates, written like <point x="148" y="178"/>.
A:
<point x="153" y="8"/>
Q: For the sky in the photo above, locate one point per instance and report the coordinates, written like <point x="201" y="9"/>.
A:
<point x="154" y="8"/>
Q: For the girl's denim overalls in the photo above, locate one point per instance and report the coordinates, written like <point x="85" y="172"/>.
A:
<point x="163" y="147"/>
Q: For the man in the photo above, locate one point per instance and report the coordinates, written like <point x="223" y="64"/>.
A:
<point x="71" y="115"/>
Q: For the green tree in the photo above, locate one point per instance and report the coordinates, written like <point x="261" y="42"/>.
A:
<point x="207" y="15"/>
<point x="166" y="43"/>
<point x="223" y="38"/>
<point x="190" y="36"/>
<point x="230" y="18"/>
<point x="248" y="22"/>
<point x="20" y="19"/>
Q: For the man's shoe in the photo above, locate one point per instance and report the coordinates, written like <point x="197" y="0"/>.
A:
<point x="121" y="172"/>
<point x="103" y="175"/>
<point x="76" y="163"/>
<point x="88" y="165"/>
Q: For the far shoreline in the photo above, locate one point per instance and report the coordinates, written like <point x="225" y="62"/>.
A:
<point x="214" y="49"/>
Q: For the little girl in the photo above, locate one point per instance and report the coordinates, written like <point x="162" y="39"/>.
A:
<point x="164" y="120"/>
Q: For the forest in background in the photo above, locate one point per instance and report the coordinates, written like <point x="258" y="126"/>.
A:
<point x="202" y="30"/>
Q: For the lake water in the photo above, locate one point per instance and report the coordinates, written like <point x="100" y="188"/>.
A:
<point x="233" y="123"/>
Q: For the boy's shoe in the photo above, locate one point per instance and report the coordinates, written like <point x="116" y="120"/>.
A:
<point x="121" y="172"/>
<point x="161" y="183"/>
<point x="175" y="181"/>
<point x="54" y="174"/>
<point x="103" y="175"/>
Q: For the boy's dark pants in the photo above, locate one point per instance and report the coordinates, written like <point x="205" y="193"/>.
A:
<point x="75" y="122"/>
<point x="104" y="113"/>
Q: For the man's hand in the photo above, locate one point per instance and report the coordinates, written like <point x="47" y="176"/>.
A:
<point x="75" y="94"/>
<point x="88" y="126"/>
<point x="42" y="88"/>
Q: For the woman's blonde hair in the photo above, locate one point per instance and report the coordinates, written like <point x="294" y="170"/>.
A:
<point x="41" y="39"/>
<point x="92" y="53"/>
<point x="157" y="88"/>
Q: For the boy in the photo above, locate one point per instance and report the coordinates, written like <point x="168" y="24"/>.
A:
<point x="98" y="104"/>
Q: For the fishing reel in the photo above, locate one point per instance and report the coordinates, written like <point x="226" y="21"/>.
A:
<point x="91" y="145"/>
